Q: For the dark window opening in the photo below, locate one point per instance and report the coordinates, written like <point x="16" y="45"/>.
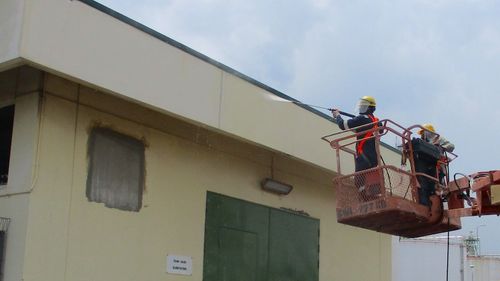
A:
<point x="6" y="125"/>
<point x="116" y="170"/>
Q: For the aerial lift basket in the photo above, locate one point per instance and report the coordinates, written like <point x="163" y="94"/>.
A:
<point x="385" y="198"/>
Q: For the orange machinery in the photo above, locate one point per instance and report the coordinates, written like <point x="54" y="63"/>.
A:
<point x="389" y="199"/>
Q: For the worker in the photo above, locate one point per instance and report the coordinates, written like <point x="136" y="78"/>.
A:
<point x="436" y="168"/>
<point x="366" y="154"/>
<point x="429" y="135"/>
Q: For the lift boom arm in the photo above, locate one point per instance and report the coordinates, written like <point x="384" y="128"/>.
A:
<point x="486" y="185"/>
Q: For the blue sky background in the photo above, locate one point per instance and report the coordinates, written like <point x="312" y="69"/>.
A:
<point x="434" y="61"/>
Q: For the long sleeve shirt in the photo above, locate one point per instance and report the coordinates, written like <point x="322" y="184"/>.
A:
<point x="368" y="150"/>
<point x="444" y="143"/>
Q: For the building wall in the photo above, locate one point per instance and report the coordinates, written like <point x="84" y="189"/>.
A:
<point x="208" y="128"/>
<point x="16" y="209"/>
<point x="426" y="259"/>
<point x="483" y="268"/>
<point x="81" y="240"/>
<point x="11" y="18"/>
<point x="14" y="197"/>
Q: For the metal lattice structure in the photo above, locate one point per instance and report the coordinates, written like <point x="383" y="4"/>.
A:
<point x="374" y="184"/>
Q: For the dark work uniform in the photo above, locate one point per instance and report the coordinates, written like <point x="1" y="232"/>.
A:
<point x="366" y="154"/>
<point x="425" y="157"/>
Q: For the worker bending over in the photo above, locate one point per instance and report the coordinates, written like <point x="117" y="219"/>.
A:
<point x="430" y="136"/>
<point x="435" y="166"/>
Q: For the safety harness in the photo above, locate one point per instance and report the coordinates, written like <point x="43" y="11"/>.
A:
<point x="367" y="135"/>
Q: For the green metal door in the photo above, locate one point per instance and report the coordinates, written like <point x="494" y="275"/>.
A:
<point x="293" y="247"/>
<point x="236" y="240"/>
<point x="251" y="242"/>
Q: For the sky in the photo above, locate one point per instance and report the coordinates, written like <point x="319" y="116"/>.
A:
<point x="425" y="61"/>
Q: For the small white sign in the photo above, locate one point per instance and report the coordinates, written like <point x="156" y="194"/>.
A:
<point x="179" y="265"/>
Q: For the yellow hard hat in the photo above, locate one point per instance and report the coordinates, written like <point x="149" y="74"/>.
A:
<point x="427" y="126"/>
<point x="370" y="100"/>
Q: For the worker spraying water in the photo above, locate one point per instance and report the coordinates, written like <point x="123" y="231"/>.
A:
<point x="366" y="156"/>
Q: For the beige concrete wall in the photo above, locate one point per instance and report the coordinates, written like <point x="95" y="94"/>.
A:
<point x="247" y="110"/>
<point x="80" y="240"/>
<point x="14" y="197"/>
<point x="16" y="209"/>
<point x="11" y="18"/>
<point x="21" y="87"/>
<point x="49" y="212"/>
<point x="103" y="51"/>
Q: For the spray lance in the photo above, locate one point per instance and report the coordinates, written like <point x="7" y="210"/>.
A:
<point x="280" y="99"/>
<point x="325" y="108"/>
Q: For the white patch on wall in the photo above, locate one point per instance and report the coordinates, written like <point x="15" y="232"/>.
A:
<point x="179" y="265"/>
